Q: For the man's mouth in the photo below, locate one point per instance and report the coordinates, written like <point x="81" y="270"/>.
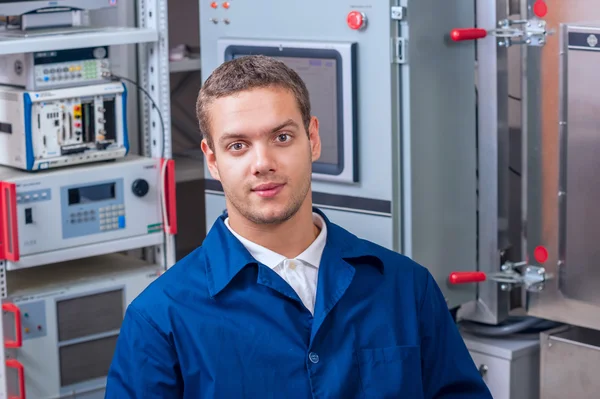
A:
<point x="268" y="190"/>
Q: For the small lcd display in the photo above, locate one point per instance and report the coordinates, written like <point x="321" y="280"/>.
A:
<point x="89" y="194"/>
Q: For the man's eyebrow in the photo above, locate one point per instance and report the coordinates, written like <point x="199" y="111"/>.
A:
<point x="288" y="123"/>
<point x="241" y="136"/>
<point x="232" y="136"/>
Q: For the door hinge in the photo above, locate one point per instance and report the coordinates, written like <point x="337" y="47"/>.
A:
<point x="399" y="53"/>
<point x="398" y="13"/>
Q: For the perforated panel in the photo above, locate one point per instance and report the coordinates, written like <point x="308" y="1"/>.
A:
<point x="89" y="315"/>
<point x="86" y="361"/>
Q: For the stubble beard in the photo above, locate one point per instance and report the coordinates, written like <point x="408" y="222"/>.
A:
<point x="254" y="214"/>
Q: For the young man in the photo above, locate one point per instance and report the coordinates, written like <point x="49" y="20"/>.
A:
<point x="279" y="302"/>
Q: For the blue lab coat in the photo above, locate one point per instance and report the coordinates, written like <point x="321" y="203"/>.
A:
<point x="220" y="325"/>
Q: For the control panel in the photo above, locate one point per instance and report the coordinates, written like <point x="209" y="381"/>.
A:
<point x="33" y="320"/>
<point x="92" y="209"/>
<point x="76" y="72"/>
<point x="47" y="70"/>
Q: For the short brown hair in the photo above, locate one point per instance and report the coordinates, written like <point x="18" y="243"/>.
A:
<point x="246" y="73"/>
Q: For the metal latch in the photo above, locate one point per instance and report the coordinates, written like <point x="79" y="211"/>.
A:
<point x="530" y="32"/>
<point x="533" y="34"/>
<point x="398" y="13"/>
<point x="512" y="275"/>
<point x="399" y="50"/>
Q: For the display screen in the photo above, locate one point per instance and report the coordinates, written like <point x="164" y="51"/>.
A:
<point x="320" y="77"/>
<point x="89" y="194"/>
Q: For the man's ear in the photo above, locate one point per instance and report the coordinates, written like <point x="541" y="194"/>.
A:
<point x="315" y="139"/>
<point x="211" y="159"/>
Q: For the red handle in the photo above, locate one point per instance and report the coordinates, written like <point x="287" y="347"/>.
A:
<point x="459" y="35"/>
<point x="15" y="364"/>
<point x="170" y="197"/>
<point x="18" y="342"/>
<point x="466" y="277"/>
<point x="9" y="225"/>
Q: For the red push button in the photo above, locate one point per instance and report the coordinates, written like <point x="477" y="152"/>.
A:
<point x="540" y="8"/>
<point x="541" y="254"/>
<point x="214" y="4"/>
<point x="226" y="5"/>
<point x="356" y="20"/>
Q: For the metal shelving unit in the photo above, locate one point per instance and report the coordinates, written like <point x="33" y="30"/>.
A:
<point x="151" y="37"/>
<point x="99" y="37"/>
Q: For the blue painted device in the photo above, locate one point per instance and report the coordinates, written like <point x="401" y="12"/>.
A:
<point x="60" y="127"/>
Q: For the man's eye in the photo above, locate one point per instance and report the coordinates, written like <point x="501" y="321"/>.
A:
<point x="282" y="138"/>
<point x="237" y="146"/>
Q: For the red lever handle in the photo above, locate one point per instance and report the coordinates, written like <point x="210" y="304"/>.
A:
<point x="466" y="277"/>
<point x="15" y="364"/>
<point x="459" y="35"/>
<point x="9" y="224"/>
<point x="18" y="342"/>
<point x="170" y="189"/>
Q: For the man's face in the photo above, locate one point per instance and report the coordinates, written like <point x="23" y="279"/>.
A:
<point x="262" y="154"/>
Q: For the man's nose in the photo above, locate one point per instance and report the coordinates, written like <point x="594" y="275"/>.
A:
<point x="264" y="160"/>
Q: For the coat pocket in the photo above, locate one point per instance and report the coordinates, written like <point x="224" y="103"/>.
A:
<point x="391" y="372"/>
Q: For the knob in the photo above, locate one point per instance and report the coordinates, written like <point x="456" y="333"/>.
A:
<point x="140" y="187"/>
<point x="356" y="20"/>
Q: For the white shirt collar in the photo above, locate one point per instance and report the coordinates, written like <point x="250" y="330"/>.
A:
<point x="311" y="255"/>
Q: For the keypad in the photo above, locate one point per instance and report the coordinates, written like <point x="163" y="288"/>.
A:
<point x="33" y="196"/>
<point x="89" y="70"/>
<point x="109" y="216"/>
<point x="83" y="216"/>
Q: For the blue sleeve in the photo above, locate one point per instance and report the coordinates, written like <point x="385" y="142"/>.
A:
<point x="144" y="365"/>
<point x="448" y="370"/>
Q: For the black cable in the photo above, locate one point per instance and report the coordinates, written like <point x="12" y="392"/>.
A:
<point x="112" y="76"/>
<point x="162" y="147"/>
<point x="514" y="98"/>
<point x="514" y="171"/>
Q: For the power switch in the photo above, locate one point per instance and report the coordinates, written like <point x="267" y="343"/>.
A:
<point x="28" y="216"/>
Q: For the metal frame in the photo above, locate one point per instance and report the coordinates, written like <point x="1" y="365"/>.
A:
<point x="492" y="304"/>
<point x="546" y="196"/>
<point x="151" y="35"/>
<point x="154" y="75"/>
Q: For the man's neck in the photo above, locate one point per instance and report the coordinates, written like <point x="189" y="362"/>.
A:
<point x="289" y="238"/>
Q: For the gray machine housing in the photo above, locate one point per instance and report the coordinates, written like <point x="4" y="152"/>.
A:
<point x="71" y="314"/>
<point x="415" y="187"/>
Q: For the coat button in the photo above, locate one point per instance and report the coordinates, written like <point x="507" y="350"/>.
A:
<point x="313" y="357"/>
